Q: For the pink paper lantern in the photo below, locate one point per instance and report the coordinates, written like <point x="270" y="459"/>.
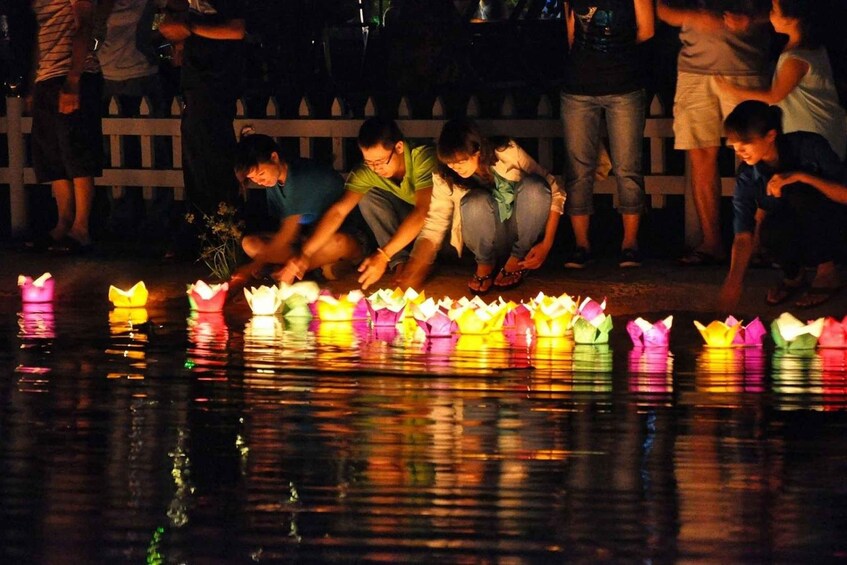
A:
<point x="519" y="319"/>
<point x="834" y="333"/>
<point x="438" y="325"/>
<point x="750" y="335"/>
<point x="384" y="317"/>
<point x="591" y="309"/>
<point x="645" y="334"/>
<point x="38" y="290"/>
<point x="207" y="298"/>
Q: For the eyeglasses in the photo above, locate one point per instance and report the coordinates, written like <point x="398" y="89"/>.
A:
<point x="380" y="163"/>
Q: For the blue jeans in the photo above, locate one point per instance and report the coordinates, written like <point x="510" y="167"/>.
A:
<point x="488" y="238"/>
<point x="384" y="212"/>
<point x="625" y="124"/>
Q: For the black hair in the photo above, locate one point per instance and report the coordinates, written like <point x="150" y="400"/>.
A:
<point x="379" y="131"/>
<point x="461" y="138"/>
<point x="253" y="149"/>
<point x="805" y="12"/>
<point x="753" y="118"/>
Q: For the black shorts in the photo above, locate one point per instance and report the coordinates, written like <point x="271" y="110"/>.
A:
<point x="67" y="146"/>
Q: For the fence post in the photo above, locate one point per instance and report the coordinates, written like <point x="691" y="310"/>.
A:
<point x="305" y="111"/>
<point x="339" y="163"/>
<point x="17" y="196"/>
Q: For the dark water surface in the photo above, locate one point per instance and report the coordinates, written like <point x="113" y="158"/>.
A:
<point x="148" y="437"/>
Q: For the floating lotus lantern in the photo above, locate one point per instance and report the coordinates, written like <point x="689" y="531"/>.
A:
<point x="476" y="317"/>
<point x="386" y="307"/>
<point x="645" y="334"/>
<point x="553" y="315"/>
<point x="298" y="299"/>
<point x="750" y="335"/>
<point x="38" y="290"/>
<point x="433" y="319"/>
<point x="264" y="301"/>
<point x="519" y="318"/>
<point x="591" y="325"/>
<point x="717" y="333"/>
<point x="834" y="333"/>
<point x="205" y="297"/>
<point x="344" y="308"/>
<point x="791" y="334"/>
<point x="135" y="297"/>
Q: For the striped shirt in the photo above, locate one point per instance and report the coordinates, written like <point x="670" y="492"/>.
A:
<point x="56" y="26"/>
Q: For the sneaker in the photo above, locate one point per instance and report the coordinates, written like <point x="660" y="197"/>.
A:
<point x="578" y="259"/>
<point x="630" y="258"/>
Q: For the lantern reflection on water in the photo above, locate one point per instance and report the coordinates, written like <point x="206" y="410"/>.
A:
<point x="37" y="321"/>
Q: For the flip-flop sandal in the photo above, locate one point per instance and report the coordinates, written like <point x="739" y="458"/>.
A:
<point x="518" y="278"/>
<point x="699" y="259"/>
<point x="480" y="281"/>
<point x="783" y="292"/>
<point x="816" y="295"/>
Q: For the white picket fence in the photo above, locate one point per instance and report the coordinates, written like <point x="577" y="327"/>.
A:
<point x="544" y="128"/>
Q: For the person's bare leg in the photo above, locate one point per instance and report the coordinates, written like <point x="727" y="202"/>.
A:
<point x="83" y="192"/>
<point x="340" y="247"/>
<point x="706" y="189"/>
<point x="580" y="226"/>
<point x="63" y="191"/>
<point x="825" y="284"/>
<point x="630" y="230"/>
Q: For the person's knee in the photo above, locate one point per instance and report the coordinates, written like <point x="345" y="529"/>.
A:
<point x="373" y="203"/>
<point x="476" y="205"/>
<point x="534" y="188"/>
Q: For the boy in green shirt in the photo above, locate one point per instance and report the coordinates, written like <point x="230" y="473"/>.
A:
<point x="392" y="188"/>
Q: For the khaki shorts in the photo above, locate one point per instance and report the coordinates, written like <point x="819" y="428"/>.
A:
<point x="699" y="109"/>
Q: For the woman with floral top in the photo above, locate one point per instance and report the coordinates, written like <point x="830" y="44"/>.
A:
<point x="494" y="198"/>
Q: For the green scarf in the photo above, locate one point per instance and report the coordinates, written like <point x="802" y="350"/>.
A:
<point x="504" y="195"/>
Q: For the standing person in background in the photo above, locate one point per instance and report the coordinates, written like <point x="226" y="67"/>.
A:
<point x="392" y="188"/>
<point x="605" y="77"/>
<point x="67" y="134"/>
<point x="212" y="64"/>
<point x="131" y="73"/>
<point x="715" y="41"/>
<point x="802" y="84"/>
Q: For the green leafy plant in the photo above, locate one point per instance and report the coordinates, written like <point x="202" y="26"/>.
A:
<point x="220" y="239"/>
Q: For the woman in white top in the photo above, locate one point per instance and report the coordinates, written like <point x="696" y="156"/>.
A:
<point x="494" y="198"/>
<point x="802" y="84"/>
